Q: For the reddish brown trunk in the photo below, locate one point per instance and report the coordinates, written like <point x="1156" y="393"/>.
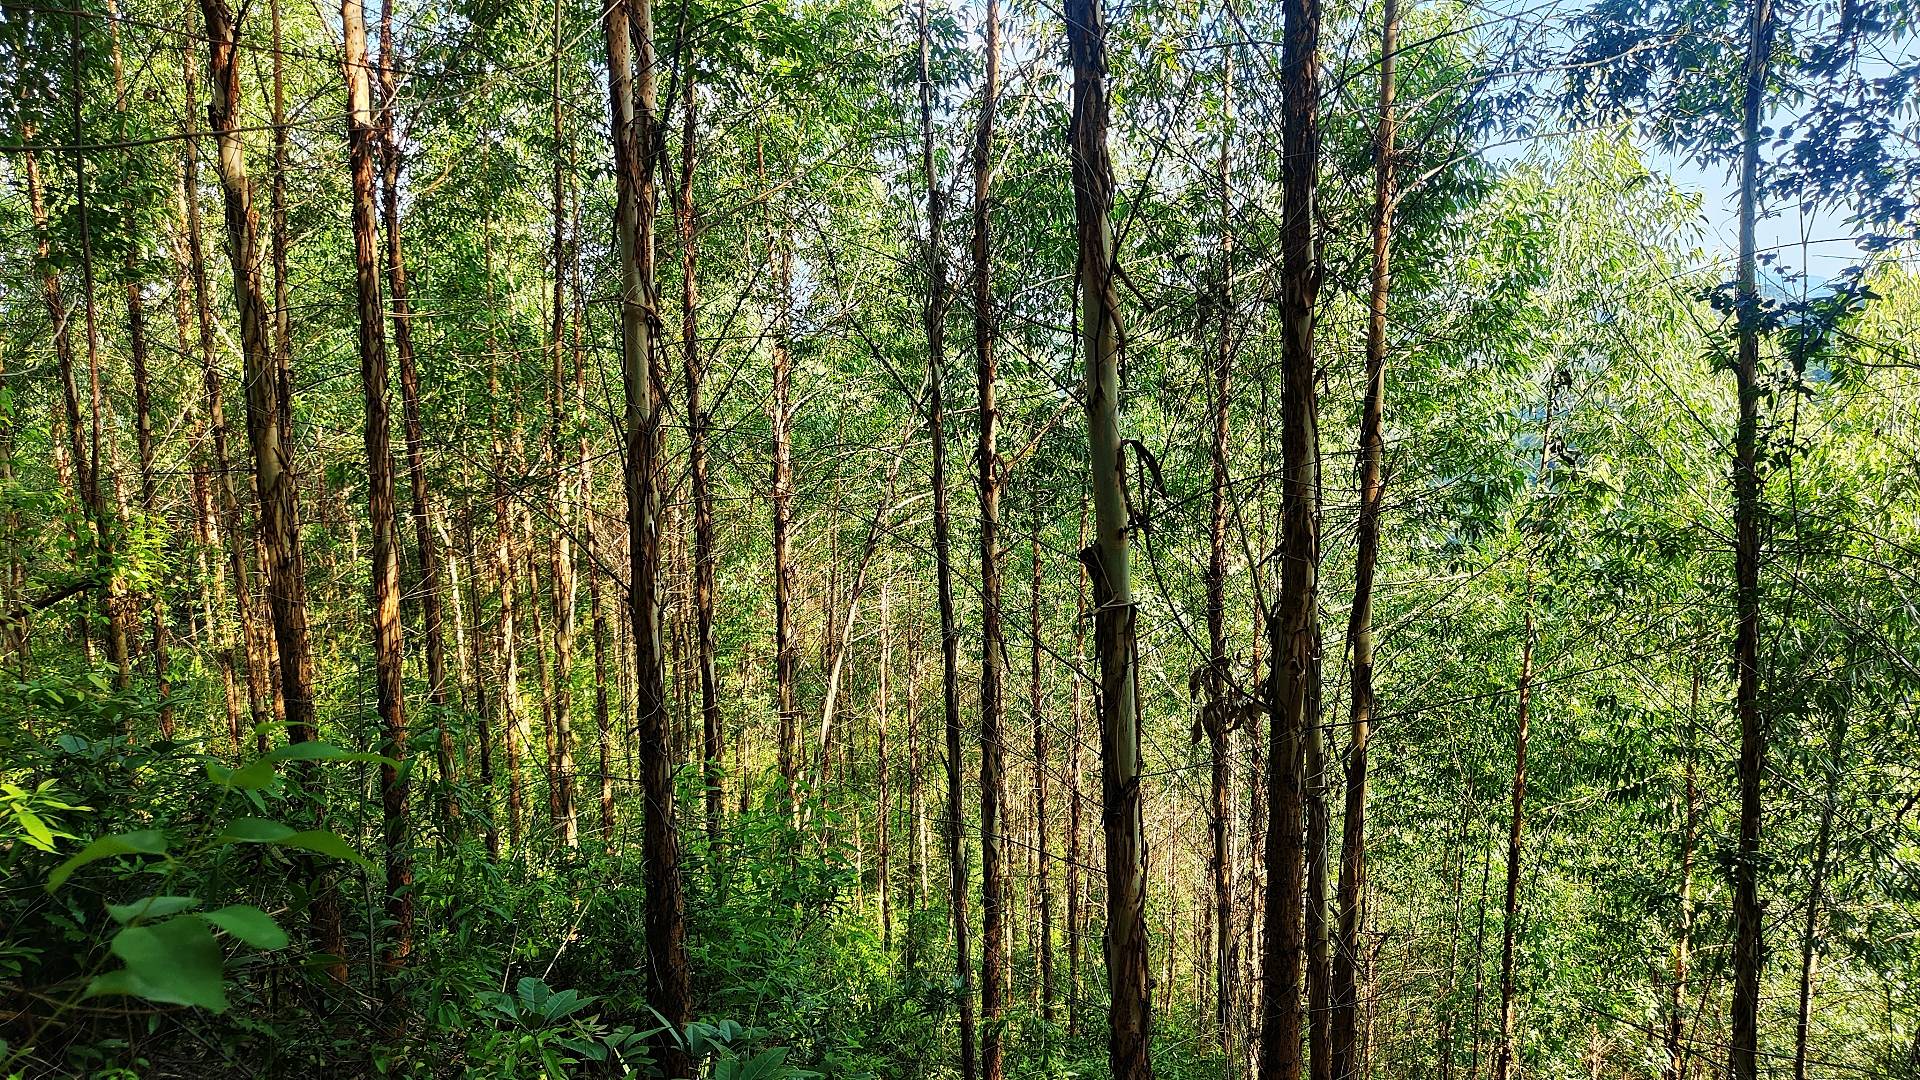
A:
<point x="389" y="679"/>
<point x="426" y="545"/>
<point x="274" y="480"/>
<point x="1346" y="1047"/>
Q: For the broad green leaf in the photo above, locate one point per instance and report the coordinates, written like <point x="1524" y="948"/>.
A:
<point x="152" y="907"/>
<point x="257" y="773"/>
<point x="249" y="924"/>
<point x="37" y="832"/>
<point x="322" y="842"/>
<point x="254" y="831"/>
<point x="143" y="842"/>
<point x="176" y="962"/>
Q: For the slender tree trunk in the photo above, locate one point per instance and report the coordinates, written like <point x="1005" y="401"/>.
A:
<point x="1506" y="1054"/>
<point x="995" y="887"/>
<point x="602" y="717"/>
<point x="1107" y="556"/>
<point x="561" y="573"/>
<point x="1836" y="751"/>
<point x="250" y="646"/>
<point x="1346" y="1047"/>
<point x="484" y="711"/>
<point x="149" y="488"/>
<point x="209" y="437"/>
<point x="918" y="886"/>
<point x="786" y="641"/>
<point x="1219" y="709"/>
<point x="72" y="458"/>
<point x="636" y="142"/>
<point x="698" y="422"/>
<point x="277" y="239"/>
<point x="363" y="137"/>
<point x="143" y="423"/>
<point x="274" y="480"/>
<point x="1319" y="954"/>
<point x="427" y="549"/>
<point x="1076" y="910"/>
<point x="883" y="795"/>
<point x="1042" y="761"/>
<point x="105" y="525"/>
<point x="934" y="316"/>
<point x="1293" y="628"/>
<point x="1676" y="1065"/>
<point x="509" y="654"/>
<point x="1748" y="954"/>
<point x="537" y="641"/>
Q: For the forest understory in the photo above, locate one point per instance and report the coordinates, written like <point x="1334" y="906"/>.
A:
<point x="1326" y="540"/>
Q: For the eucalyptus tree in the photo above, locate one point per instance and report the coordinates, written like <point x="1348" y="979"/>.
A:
<point x="633" y="86"/>
<point x="1107" y="557"/>
<point x="1701" y="93"/>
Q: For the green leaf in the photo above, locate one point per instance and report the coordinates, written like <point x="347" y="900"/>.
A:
<point x="143" y="842"/>
<point x="176" y="962"/>
<point x="254" y="831"/>
<point x="249" y="924"/>
<point x="257" y="773"/>
<point x="325" y="843"/>
<point x="152" y="907"/>
<point x="37" y="832"/>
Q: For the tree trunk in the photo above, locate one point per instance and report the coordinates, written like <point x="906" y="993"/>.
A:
<point x="1107" y="557"/>
<point x="277" y="240"/>
<point x="509" y="654"/>
<point x="363" y="137"/>
<point x="1836" y="750"/>
<point x="1346" y="1048"/>
<point x="698" y="422"/>
<point x="72" y="458"/>
<point x="149" y="490"/>
<point x="1506" y="1054"/>
<point x="635" y="148"/>
<point x="105" y="525"/>
<point x="1676" y="1047"/>
<point x="1293" y="628"/>
<point x="274" y="480"/>
<point x="1219" y="709"/>
<point x="1042" y="753"/>
<point x="1748" y="954"/>
<point x="483" y="704"/>
<point x="934" y="316"/>
<point x="228" y="525"/>
<point x="562" y="578"/>
<point x="786" y="642"/>
<point x="883" y="795"/>
<point x="432" y="618"/>
<point x="1319" y="955"/>
<point x="994" y="884"/>
<point x="1076" y="911"/>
